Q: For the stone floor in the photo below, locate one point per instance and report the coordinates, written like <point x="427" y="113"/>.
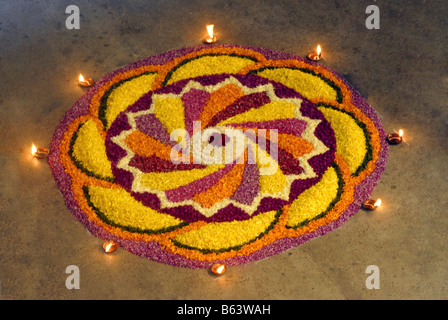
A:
<point x="401" y="69"/>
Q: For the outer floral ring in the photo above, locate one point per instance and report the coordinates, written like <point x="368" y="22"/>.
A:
<point x="83" y="165"/>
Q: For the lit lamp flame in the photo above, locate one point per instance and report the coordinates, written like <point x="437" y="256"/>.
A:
<point x="211" y="35"/>
<point x="219" y="268"/>
<point x="395" y="138"/>
<point x="377" y="203"/>
<point x="39" y="153"/>
<point x="85" y="81"/>
<point x="33" y="150"/>
<point x="316" y="55"/>
<point x="372" y="204"/>
<point x="210" y="28"/>
<point x="110" y="246"/>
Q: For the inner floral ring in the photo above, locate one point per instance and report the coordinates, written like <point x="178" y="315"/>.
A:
<point x="219" y="148"/>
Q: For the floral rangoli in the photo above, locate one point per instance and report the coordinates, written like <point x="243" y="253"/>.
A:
<point x="217" y="154"/>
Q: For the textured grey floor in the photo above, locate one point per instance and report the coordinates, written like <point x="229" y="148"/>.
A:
<point x="401" y="69"/>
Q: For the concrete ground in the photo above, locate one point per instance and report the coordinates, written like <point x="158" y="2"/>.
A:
<point x="401" y="69"/>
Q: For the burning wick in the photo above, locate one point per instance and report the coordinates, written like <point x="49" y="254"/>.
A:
<point x="110" y="246"/>
<point x="316" y="55"/>
<point x="395" y="138"/>
<point x="372" y="204"/>
<point x="85" y="82"/>
<point x="219" y="268"/>
<point x="211" y="36"/>
<point x="39" y="153"/>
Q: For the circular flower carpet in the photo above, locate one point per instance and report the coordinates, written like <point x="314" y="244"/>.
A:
<point x="217" y="154"/>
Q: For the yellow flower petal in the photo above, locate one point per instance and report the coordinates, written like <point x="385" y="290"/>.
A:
<point x="123" y="210"/>
<point x="350" y="138"/>
<point x="314" y="201"/>
<point x="89" y="150"/>
<point x="308" y="85"/>
<point x="127" y="94"/>
<point x="175" y="179"/>
<point x="170" y="112"/>
<point x="209" y="64"/>
<point x="225" y="235"/>
<point x="271" y="111"/>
